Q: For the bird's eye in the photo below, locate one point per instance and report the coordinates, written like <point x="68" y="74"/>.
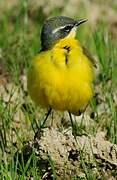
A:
<point x="67" y="28"/>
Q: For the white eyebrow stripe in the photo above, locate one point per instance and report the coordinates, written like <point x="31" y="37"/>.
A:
<point x="57" y="29"/>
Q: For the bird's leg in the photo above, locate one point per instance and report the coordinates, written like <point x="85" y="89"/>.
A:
<point x="47" y="115"/>
<point x="71" y="118"/>
<point x="52" y="119"/>
<point x="72" y="123"/>
<point x="38" y="133"/>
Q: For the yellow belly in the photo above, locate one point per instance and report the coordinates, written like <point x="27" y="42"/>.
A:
<point x="61" y="80"/>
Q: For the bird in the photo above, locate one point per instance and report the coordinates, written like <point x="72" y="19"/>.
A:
<point x="62" y="73"/>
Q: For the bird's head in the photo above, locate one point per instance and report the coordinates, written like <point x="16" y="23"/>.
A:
<point x="57" y="28"/>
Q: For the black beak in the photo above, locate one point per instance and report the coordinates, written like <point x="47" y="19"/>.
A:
<point x="81" y="21"/>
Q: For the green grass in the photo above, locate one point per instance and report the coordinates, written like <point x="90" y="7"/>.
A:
<point x="19" y="42"/>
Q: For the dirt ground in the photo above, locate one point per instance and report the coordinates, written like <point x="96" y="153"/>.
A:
<point x="68" y="152"/>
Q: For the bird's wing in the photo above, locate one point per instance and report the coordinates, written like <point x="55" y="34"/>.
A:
<point x="89" y="56"/>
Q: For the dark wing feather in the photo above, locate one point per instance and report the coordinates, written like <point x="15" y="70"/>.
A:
<point x="87" y="53"/>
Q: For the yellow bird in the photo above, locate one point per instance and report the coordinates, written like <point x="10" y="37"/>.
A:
<point x="61" y="74"/>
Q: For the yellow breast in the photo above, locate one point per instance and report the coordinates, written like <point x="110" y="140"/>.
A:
<point x="61" y="78"/>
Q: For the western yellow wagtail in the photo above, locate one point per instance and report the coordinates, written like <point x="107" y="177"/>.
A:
<point x="61" y="74"/>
